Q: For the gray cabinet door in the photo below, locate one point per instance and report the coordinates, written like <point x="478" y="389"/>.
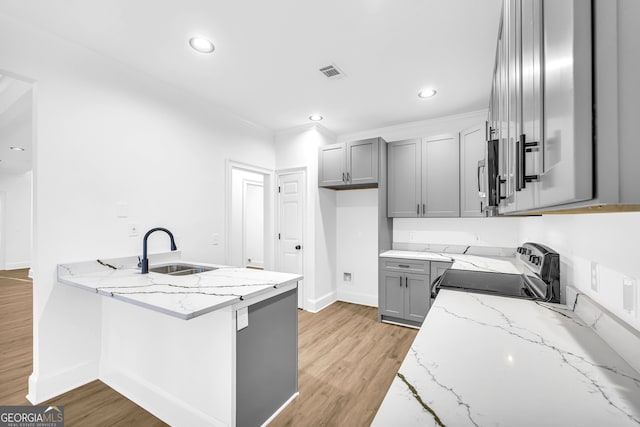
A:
<point x="440" y="176"/>
<point x="417" y="296"/>
<point x="332" y="165"/>
<point x="404" y="179"/>
<point x="392" y="294"/>
<point x="362" y="162"/>
<point x="568" y="143"/>
<point x="438" y="267"/>
<point x="472" y="150"/>
<point x="531" y="102"/>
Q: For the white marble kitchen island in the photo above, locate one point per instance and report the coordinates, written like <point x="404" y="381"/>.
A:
<point x="483" y="360"/>
<point x="172" y="345"/>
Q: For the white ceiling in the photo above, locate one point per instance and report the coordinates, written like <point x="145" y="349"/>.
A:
<point x="265" y="67"/>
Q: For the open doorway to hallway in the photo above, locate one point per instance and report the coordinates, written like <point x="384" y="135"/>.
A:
<point x="16" y="172"/>
<point x="249" y="222"/>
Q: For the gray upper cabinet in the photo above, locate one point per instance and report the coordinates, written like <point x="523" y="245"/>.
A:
<point x="423" y="177"/>
<point x="349" y="165"/>
<point x="331" y="165"/>
<point x="441" y="176"/>
<point x="404" y="178"/>
<point x="541" y="104"/>
<point x="472" y="152"/>
<point x="362" y="162"/>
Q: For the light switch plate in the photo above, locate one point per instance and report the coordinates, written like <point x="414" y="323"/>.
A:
<point x="122" y="209"/>
<point x="242" y="318"/>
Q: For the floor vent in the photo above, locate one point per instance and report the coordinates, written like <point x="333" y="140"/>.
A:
<point x="332" y="72"/>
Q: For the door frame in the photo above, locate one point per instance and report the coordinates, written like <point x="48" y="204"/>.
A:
<point x="3" y="230"/>
<point x="245" y="184"/>
<point x="269" y="206"/>
<point x="279" y="173"/>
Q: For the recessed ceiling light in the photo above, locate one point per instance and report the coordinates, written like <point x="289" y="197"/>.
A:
<point x="315" y="117"/>
<point x="17" y="148"/>
<point x="202" y="45"/>
<point x="426" y="93"/>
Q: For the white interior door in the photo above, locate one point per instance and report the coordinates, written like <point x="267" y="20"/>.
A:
<point x="253" y="224"/>
<point x="291" y="225"/>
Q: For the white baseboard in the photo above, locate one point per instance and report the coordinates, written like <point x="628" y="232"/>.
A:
<point x="275" y="414"/>
<point x="321" y="303"/>
<point x="17" y="265"/>
<point x="157" y="401"/>
<point x="45" y="387"/>
<point x="358" y="298"/>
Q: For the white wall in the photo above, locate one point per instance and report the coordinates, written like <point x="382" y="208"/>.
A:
<point x="106" y="133"/>
<point x="431" y="127"/>
<point x="498" y="231"/>
<point x="357" y="246"/>
<point x="297" y="148"/>
<point x="15" y="231"/>
<point x="357" y="217"/>
<point x="606" y="242"/>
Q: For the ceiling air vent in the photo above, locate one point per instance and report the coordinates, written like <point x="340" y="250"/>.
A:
<point x="332" y="72"/>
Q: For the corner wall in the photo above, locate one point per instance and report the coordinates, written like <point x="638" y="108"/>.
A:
<point x="108" y="134"/>
<point x="297" y="148"/>
<point x="605" y="244"/>
<point x="16" y="221"/>
<point x="357" y="246"/>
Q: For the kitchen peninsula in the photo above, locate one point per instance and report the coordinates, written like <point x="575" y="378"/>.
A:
<point x="213" y="348"/>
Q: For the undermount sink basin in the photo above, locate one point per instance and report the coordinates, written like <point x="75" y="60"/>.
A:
<point x="180" y="269"/>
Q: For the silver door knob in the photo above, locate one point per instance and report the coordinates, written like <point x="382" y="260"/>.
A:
<point x="298" y="247"/>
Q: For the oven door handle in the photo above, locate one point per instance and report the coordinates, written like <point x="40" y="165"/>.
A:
<point x="435" y="283"/>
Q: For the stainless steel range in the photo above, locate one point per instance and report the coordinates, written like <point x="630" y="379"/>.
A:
<point x="539" y="282"/>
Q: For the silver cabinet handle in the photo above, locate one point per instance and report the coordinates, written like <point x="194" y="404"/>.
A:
<point x="424" y="208"/>
<point x="406" y="282"/>
<point x="343" y="180"/>
<point x="418" y="209"/>
<point x="348" y="177"/>
<point x="403" y="266"/>
<point x="400" y="281"/>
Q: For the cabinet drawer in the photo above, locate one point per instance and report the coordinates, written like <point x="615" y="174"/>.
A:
<point x="407" y="265"/>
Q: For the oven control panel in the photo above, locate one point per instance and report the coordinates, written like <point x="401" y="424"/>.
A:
<point x="543" y="262"/>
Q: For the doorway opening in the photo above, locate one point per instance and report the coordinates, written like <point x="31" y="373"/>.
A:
<point x="16" y="171"/>
<point x="249" y="230"/>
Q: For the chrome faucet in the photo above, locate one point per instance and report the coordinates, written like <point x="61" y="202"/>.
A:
<point x="144" y="262"/>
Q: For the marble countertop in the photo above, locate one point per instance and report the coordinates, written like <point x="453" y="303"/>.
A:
<point x="495" y="264"/>
<point x="484" y="360"/>
<point x="184" y="297"/>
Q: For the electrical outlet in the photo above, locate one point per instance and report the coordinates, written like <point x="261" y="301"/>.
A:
<point x="412" y="236"/>
<point x="215" y="239"/>
<point x="133" y="230"/>
<point x="629" y="295"/>
<point x="346" y="277"/>
<point x="595" y="276"/>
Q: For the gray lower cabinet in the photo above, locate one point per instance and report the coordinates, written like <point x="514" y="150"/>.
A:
<point x="352" y="164"/>
<point x="267" y="359"/>
<point x="437" y="268"/>
<point x="423" y="177"/>
<point x="405" y="289"/>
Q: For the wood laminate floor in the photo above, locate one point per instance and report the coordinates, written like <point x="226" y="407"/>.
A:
<point x="347" y="361"/>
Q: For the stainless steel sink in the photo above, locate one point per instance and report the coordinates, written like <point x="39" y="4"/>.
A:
<point x="180" y="269"/>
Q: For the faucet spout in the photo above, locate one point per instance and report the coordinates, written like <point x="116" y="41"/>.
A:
<point x="144" y="263"/>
